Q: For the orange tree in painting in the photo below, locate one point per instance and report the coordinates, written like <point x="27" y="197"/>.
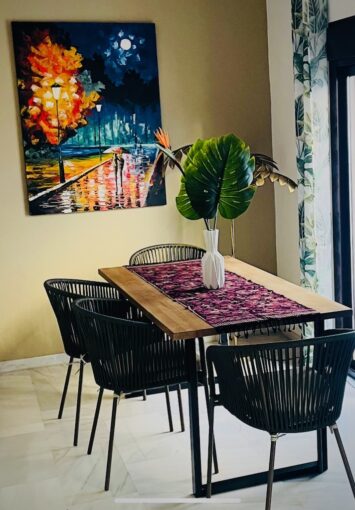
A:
<point x="51" y="64"/>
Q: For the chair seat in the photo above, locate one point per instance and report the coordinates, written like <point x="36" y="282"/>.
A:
<point x="148" y="385"/>
<point x="150" y="367"/>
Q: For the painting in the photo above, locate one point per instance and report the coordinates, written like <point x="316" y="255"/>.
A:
<point x="89" y="106"/>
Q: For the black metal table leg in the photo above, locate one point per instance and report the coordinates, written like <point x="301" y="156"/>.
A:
<point x="207" y="395"/>
<point x="322" y="450"/>
<point x="280" y="474"/>
<point x="322" y="447"/>
<point x="319" y="327"/>
<point x="194" y="420"/>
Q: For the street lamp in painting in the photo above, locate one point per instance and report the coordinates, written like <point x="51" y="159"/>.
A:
<point x="98" y="108"/>
<point x="56" y="91"/>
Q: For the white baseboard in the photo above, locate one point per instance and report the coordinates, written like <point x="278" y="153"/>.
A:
<point x="40" y="361"/>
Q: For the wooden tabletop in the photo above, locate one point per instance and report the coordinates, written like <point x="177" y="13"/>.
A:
<point x="180" y="323"/>
<point x="326" y="307"/>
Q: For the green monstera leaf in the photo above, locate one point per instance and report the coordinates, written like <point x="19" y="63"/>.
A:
<point x="218" y="177"/>
<point x="183" y="203"/>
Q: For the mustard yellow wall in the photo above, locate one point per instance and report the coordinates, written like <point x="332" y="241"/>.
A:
<point x="213" y="68"/>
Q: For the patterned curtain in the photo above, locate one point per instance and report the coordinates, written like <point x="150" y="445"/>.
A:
<point x="309" y="31"/>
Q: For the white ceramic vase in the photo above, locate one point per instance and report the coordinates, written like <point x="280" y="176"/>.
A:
<point x="212" y="261"/>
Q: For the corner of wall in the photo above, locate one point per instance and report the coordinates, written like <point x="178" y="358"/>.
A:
<point x="283" y="135"/>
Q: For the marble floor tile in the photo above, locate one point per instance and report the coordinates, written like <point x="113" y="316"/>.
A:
<point x="23" y="445"/>
<point x="40" y="495"/>
<point x="26" y="469"/>
<point x="49" y="381"/>
<point x="151" y="467"/>
<point x="20" y="412"/>
<point x="83" y="475"/>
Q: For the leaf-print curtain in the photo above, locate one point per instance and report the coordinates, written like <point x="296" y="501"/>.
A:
<point x="309" y="31"/>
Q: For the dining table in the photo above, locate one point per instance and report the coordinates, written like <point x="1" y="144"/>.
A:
<point x="173" y="297"/>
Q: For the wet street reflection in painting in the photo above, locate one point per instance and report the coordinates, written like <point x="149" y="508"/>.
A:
<point x="113" y="184"/>
<point x="89" y="103"/>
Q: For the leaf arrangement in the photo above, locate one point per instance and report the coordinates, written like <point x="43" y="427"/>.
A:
<point x="219" y="176"/>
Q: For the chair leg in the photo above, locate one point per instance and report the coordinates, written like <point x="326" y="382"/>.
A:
<point x="181" y="409"/>
<point x="110" y="444"/>
<point x="144" y="394"/>
<point x="168" y="407"/>
<point x="207" y="395"/>
<point x="65" y="389"/>
<point x="210" y="449"/>
<point x="78" y="403"/>
<point x="270" y="477"/>
<point x="94" y="423"/>
<point x="334" y="428"/>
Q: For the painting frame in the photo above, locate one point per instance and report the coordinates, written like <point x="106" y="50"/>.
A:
<point x="89" y="104"/>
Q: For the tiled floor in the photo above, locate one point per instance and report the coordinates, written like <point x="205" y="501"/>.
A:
<point x="41" y="470"/>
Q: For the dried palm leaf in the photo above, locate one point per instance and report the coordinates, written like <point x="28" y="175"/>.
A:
<point x="267" y="168"/>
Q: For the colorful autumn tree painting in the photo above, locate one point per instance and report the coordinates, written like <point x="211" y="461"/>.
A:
<point x="52" y="64"/>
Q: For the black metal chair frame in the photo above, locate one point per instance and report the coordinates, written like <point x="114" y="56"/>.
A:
<point x="127" y="354"/>
<point x="282" y="388"/>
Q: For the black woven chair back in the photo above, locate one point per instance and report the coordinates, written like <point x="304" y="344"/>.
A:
<point x="285" y="387"/>
<point x="166" y="253"/>
<point x="127" y="352"/>
<point x="61" y="294"/>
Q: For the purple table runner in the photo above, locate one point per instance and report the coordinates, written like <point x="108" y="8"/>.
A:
<point x="240" y="302"/>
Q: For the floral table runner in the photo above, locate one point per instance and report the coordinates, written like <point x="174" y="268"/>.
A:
<point x="241" y="302"/>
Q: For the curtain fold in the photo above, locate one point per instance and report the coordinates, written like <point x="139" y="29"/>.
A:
<point x="310" y="65"/>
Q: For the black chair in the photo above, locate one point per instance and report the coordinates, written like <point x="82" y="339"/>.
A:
<point x="62" y="294"/>
<point x="169" y="252"/>
<point x="173" y="252"/>
<point x="127" y="354"/>
<point x="282" y="388"/>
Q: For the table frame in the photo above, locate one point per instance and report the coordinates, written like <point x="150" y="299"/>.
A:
<point x="180" y="323"/>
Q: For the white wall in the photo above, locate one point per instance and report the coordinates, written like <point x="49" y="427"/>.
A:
<point x="283" y="124"/>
